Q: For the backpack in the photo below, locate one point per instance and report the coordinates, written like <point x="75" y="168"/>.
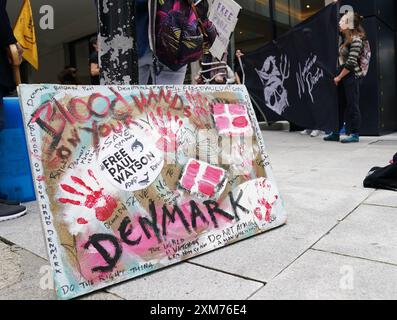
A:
<point x="365" y="58"/>
<point x="180" y="33"/>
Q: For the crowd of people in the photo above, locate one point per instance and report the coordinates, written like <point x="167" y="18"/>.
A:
<point x="212" y="71"/>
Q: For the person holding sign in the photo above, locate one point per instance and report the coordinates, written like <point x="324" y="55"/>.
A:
<point x="8" y="210"/>
<point x="350" y="76"/>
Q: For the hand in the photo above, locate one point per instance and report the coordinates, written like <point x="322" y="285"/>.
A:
<point x="20" y="52"/>
<point x="14" y="54"/>
<point x="20" y="49"/>
<point x="337" y="80"/>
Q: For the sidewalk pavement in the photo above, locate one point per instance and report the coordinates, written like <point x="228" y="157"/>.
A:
<point x="340" y="241"/>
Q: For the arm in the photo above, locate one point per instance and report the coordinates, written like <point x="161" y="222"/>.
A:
<point x="353" y="60"/>
<point x="238" y="80"/>
<point x="94" y="69"/>
<point x="343" y="74"/>
<point x="6" y="33"/>
<point x="231" y="78"/>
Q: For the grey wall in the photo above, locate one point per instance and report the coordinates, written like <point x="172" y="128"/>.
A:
<point x="73" y="19"/>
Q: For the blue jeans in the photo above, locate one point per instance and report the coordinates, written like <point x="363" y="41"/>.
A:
<point x="166" y="75"/>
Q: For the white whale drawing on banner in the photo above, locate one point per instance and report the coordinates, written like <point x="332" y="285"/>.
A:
<point x="273" y="77"/>
<point x="307" y="77"/>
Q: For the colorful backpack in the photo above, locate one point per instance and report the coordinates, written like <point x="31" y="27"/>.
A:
<point x="180" y="33"/>
<point x="365" y="58"/>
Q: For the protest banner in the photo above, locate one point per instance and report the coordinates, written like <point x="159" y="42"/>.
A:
<point x="224" y="15"/>
<point x="293" y="76"/>
<point x="131" y="179"/>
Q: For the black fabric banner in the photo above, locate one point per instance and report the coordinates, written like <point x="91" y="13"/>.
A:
<point x="293" y="76"/>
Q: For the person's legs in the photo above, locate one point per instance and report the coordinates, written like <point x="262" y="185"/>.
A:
<point x="335" y="136"/>
<point x="342" y="106"/>
<point x="352" y="88"/>
<point x="145" y="65"/>
<point x="168" y="76"/>
<point x="353" y="120"/>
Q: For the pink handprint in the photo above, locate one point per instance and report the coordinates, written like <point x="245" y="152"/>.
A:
<point x="268" y="206"/>
<point x="168" y="127"/>
<point x="104" y="205"/>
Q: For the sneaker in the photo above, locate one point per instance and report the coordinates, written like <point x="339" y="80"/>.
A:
<point x="306" y="132"/>
<point x="315" y="133"/>
<point x="354" y="138"/>
<point x="332" y="137"/>
<point x="10" y="203"/>
<point x="8" y="212"/>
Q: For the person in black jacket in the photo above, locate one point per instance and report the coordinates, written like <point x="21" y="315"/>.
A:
<point x="8" y="210"/>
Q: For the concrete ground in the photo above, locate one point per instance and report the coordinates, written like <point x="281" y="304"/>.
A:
<point x="340" y="241"/>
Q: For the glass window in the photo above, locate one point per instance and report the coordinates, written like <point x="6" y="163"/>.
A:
<point x="289" y="13"/>
<point x="254" y="25"/>
<point x="79" y="51"/>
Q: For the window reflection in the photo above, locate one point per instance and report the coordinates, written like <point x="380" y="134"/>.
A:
<point x="254" y="25"/>
<point x="289" y="13"/>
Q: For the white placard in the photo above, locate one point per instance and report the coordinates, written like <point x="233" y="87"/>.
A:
<point x="224" y="14"/>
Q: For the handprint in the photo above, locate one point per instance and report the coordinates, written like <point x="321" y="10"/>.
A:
<point x="268" y="206"/>
<point x="104" y="205"/>
<point x="168" y="127"/>
<point x="266" y="200"/>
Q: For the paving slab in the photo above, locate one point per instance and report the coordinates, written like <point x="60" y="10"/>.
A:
<point x="326" y="276"/>
<point x="311" y="214"/>
<point x="383" y="198"/>
<point x="186" y="281"/>
<point x="370" y="232"/>
<point x="321" y="184"/>
<point x="300" y="160"/>
<point x="26" y="231"/>
<point x="20" y="277"/>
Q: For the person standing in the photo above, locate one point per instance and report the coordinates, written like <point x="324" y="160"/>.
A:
<point x="145" y="24"/>
<point x="170" y="35"/>
<point x="350" y="77"/>
<point x="8" y="210"/>
<point x="238" y="67"/>
<point x="94" y="61"/>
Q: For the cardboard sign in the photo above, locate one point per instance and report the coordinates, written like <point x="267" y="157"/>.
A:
<point x="224" y="14"/>
<point x="131" y="179"/>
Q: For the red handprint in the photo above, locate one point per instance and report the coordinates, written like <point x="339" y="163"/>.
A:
<point x="268" y="206"/>
<point x="168" y="127"/>
<point x="104" y="205"/>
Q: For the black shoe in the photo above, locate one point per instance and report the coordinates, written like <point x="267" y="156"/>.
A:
<point x="8" y="212"/>
<point x="10" y="203"/>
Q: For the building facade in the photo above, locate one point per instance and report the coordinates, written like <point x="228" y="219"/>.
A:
<point x="260" y="21"/>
